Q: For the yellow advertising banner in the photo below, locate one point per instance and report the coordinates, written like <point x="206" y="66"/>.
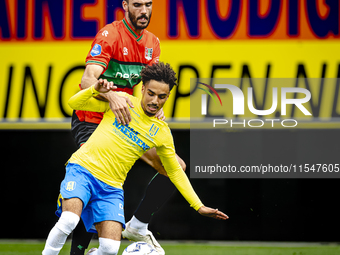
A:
<point x="39" y="78"/>
<point x="44" y="44"/>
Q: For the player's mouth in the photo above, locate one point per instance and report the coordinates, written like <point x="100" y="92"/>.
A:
<point x="143" y="19"/>
<point x="152" y="108"/>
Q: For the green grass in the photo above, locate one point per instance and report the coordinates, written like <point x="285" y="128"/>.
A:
<point x="20" y="247"/>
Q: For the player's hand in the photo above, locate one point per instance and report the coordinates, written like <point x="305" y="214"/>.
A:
<point x="213" y="213"/>
<point x="120" y="107"/>
<point x="160" y="115"/>
<point x="104" y="86"/>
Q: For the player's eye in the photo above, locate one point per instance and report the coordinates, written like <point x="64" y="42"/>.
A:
<point x="148" y="4"/>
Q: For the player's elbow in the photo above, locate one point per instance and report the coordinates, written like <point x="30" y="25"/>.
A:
<point x="71" y="103"/>
<point x="182" y="164"/>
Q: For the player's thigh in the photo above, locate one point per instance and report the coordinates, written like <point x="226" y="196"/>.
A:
<point x="109" y="229"/>
<point x="74" y="205"/>
<point x="151" y="158"/>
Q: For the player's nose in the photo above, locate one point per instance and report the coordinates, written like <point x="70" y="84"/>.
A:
<point x="154" y="100"/>
<point x="143" y="9"/>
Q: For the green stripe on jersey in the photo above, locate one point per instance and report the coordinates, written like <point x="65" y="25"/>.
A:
<point x="132" y="32"/>
<point x="123" y="74"/>
<point x="96" y="62"/>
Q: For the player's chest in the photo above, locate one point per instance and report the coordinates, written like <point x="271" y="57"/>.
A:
<point x="139" y="131"/>
<point x="129" y="50"/>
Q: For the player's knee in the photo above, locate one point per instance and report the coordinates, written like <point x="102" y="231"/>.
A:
<point x="67" y="222"/>
<point x="108" y="246"/>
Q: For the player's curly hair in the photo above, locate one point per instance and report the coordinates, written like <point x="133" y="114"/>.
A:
<point x="159" y="72"/>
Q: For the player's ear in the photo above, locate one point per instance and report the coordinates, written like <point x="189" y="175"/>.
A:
<point x="143" y="88"/>
<point x="125" y="6"/>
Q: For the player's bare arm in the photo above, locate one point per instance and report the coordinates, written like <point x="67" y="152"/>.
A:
<point x="213" y="213"/>
<point x="118" y="104"/>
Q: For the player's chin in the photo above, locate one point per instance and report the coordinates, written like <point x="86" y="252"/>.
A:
<point x="150" y="113"/>
<point x="153" y="109"/>
<point x="143" y="25"/>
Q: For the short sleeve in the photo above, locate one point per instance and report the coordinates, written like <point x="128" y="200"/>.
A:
<point x="102" y="47"/>
<point x="157" y="52"/>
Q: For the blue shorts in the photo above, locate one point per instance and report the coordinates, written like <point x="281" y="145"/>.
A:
<point x="101" y="201"/>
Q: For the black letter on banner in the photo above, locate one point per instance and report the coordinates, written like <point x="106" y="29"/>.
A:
<point x="322" y="26"/>
<point x="42" y="108"/>
<point x="224" y="28"/>
<point x="56" y="15"/>
<point x="111" y="8"/>
<point x="178" y="94"/>
<point x="263" y="26"/>
<point x="302" y="72"/>
<point x="21" y="19"/>
<point x="219" y="91"/>
<point x="9" y="86"/>
<point x="336" y="95"/>
<point x="190" y="11"/>
<point x="293" y="18"/>
<point x="61" y="88"/>
<point x="83" y="28"/>
<point x="4" y="21"/>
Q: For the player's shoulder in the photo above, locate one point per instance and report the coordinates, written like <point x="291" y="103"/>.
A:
<point x="110" y="30"/>
<point x="162" y="125"/>
<point x="151" y="36"/>
<point x="162" y="132"/>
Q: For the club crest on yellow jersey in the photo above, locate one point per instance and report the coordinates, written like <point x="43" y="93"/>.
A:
<point x="153" y="130"/>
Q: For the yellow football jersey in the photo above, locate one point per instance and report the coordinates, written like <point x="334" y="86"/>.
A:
<point x="113" y="148"/>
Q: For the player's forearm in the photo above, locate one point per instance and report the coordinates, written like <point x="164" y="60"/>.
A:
<point x="91" y="75"/>
<point x="84" y="100"/>
<point x="182" y="183"/>
<point x="88" y="81"/>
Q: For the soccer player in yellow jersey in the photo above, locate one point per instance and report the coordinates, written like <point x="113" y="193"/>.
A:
<point x="95" y="174"/>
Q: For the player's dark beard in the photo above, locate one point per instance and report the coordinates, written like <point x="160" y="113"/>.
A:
<point x="134" y="20"/>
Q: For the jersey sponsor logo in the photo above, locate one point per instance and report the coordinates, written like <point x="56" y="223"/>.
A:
<point x="105" y="33"/>
<point x="96" y="50"/>
<point x="148" y="53"/>
<point x="126" y="76"/>
<point x="123" y="74"/>
<point x="125" y="51"/>
<point x="153" y="130"/>
<point x="131" y="135"/>
<point x="70" y="186"/>
<point x="121" y="207"/>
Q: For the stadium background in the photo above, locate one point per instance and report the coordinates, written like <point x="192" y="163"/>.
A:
<point x="43" y="48"/>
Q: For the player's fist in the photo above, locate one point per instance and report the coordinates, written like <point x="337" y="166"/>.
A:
<point x="103" y="86"/>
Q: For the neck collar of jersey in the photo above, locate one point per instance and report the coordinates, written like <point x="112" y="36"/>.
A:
<point x="132" y="31"/>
